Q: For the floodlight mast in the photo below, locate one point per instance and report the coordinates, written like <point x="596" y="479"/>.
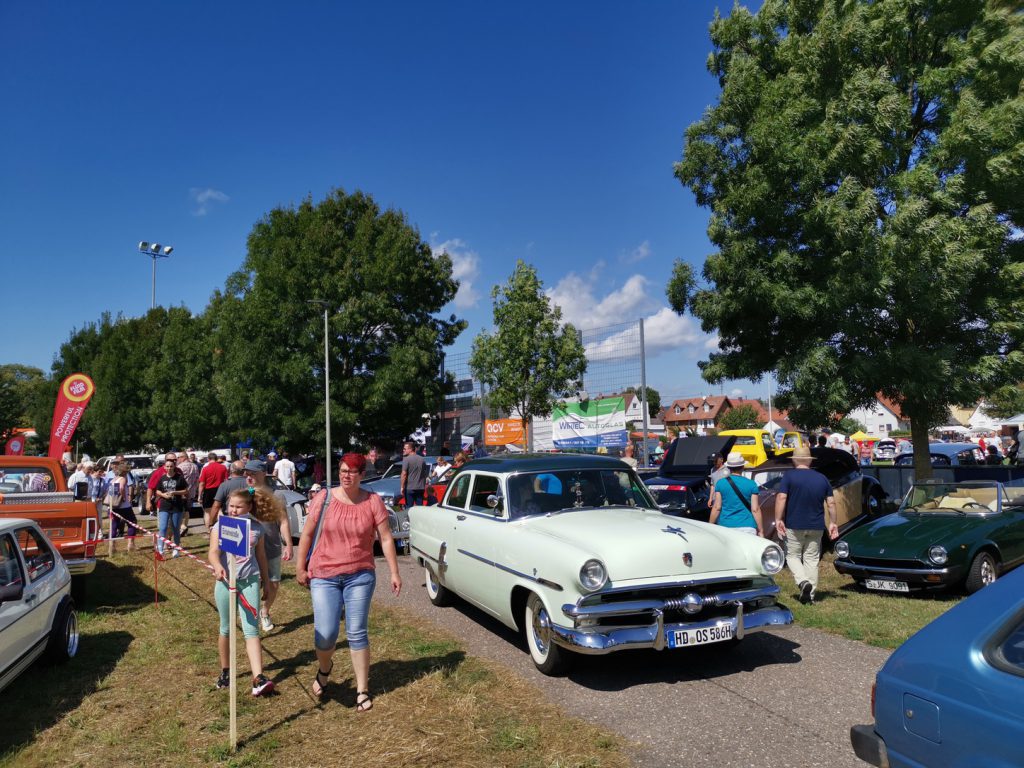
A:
<point x="154" y="251"/>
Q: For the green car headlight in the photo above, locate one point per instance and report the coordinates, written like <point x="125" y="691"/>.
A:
<point x="772" y="559"/>
<point x="593" y="576"/>
<point x="938" y="554"/>
<point x="842" y="549"/>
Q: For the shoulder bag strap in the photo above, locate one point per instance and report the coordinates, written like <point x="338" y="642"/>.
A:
<point x="740" y="495"/>
<point x="319" y="522"/>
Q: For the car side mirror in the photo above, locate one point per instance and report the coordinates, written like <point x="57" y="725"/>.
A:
<point x="12" y="593"/>
<point x="494" y="502"/>
<point x="81" y="490"/>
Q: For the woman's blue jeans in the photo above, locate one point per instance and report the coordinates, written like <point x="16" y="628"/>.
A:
<point x="165" y="517"/>
<point x="348" y="596"/>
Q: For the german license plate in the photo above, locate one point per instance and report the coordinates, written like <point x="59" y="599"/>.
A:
<point x="684" y="638"/>
<point x="887" y="586"/>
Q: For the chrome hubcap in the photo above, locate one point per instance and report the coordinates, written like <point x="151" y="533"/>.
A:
<point x="988" y="572"/>
<point x="72" y="635"/>
<point x="541" y="630"/>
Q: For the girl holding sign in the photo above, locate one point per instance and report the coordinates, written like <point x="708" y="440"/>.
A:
<point x="254" y="504"/>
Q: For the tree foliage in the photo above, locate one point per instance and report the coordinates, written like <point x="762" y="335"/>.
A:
<point x="864" y="168"/>
<point x="382" y="286"/>
<point x="741" y="417"/>
<point x="531" y="360"/>
<point x="17" y="383"/>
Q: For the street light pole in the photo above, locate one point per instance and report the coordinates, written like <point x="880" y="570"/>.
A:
<point x="327" y="390"/>
<point x="155" y="251"/>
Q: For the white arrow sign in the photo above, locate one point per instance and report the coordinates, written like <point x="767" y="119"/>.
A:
<point x="232" y="534"/>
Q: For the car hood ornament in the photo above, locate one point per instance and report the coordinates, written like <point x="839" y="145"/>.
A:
<point x="677" y="531"/>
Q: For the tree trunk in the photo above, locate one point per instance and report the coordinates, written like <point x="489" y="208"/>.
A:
<point x="527" y="436"/>
<point x="922" y="453"/>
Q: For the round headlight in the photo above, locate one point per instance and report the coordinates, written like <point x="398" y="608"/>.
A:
<point x="938" y="554"/>
<point x="772" y="559"/>
<point x="842" y="549"/>
<point x="593" y="575"/>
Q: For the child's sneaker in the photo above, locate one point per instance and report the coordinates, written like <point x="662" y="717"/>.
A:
<point x="261" y="684"/>
<point x="224" y="681"/>
<point x="265" y="622"/>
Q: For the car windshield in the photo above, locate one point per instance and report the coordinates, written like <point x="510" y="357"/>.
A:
<point x="767" y="480"/>
<point x="26" y="479"/>
<point x="545" y="492"/>
<point x="962" y="498"/>
<point x="140" y="462"/>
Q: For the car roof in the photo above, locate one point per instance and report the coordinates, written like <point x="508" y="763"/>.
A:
<point x="951" y="449"/>
<point x="831" y="462"/>
<point x="539" y="462"/>
<point x="10" y="523"/>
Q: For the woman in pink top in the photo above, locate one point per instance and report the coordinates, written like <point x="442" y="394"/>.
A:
<point x="341" y="573"/>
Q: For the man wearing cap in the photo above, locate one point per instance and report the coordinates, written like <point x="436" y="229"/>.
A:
<point x="271" y="462"/>
<point x="277" y="540"/>
<point x="800" y="506"/>
<point x="735" y="502"/>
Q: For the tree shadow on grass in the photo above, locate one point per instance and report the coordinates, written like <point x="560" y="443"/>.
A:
<point x="44" y="693"/>
<point x="116" y="588"/>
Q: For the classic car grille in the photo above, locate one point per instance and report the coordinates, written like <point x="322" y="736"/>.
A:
<point x="884" y="563"/>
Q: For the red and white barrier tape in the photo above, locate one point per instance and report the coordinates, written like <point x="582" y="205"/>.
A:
<point x="159" y="556"/>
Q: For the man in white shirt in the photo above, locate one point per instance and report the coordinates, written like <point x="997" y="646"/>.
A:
<point x="284" y="471"/>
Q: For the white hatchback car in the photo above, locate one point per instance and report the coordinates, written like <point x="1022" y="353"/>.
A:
<point x="37" y="614"/>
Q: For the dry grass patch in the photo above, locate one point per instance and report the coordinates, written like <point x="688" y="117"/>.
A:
<point x="141" y="692"/>
<point x="876" y="618"/>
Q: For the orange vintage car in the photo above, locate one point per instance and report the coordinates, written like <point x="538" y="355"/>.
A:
<point x="33" y="487"/>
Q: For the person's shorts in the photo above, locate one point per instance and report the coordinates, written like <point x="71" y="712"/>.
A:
<point x="208" y="494"/>
<point x="274" y="568"/>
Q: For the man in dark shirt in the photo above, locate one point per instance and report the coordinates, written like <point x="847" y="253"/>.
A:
<point x="414" y="475"/>
<point x="170" y="492"/>
<point x="800" y="511"/>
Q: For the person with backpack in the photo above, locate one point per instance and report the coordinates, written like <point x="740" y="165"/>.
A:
<point x="735" y="504"/>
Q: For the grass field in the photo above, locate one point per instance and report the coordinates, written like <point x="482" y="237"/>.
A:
<point x="141" y="692"/>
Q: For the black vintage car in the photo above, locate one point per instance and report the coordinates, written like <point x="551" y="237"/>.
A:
<point x="681" y="486"/>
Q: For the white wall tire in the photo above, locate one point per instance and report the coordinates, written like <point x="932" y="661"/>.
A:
<point x="437" y="593"/>
<point x="549" y="658"/>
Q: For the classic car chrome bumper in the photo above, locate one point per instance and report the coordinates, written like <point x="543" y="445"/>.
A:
<point x="605" y="639"/>
<point x="918" y="576"/>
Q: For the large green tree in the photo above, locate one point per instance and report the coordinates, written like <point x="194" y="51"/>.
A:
<point x="382" y="287"/>
<point x="531" y="360"/>
<point x="17" y="383"/>
<point x="741" y="417"/>
<point x="864" y="168"/>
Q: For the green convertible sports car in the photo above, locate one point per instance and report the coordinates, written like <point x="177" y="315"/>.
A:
<point x="944" y="534"/>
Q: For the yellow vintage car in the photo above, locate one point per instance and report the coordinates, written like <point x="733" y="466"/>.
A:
<point x="758" y="446"/>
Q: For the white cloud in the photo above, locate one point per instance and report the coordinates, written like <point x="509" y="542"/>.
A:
<point x="204" y="197"/>
<point x="712" y="343"/>
<point x="465" y="269"/>
<point x="575" y="295"/>
<point x="639" y="253"/>
<point x="736" y="392"/>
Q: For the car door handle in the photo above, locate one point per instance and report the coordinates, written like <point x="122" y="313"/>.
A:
<point x="460" y="517"/>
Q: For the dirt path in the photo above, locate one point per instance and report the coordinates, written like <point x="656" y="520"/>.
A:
<point x="785" y="700"/>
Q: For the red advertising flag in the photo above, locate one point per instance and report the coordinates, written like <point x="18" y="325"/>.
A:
<point x="15" y="446"/>
<point x="74" y="395"/>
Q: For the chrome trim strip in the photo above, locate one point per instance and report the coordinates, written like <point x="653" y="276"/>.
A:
<point x="680" y="584"/>
<point x="845" y="567"/>
<point x="428" y="557"/>
<point x="544" y="582"/>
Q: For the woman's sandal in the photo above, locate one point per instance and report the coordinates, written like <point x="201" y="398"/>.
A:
<point x="318" y="687"/>
<point x="366" y="703"/>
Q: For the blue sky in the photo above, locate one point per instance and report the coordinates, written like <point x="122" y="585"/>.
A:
<point x="540" y="131"/>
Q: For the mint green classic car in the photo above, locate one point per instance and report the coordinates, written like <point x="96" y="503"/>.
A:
<point x="573" y="551"/>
